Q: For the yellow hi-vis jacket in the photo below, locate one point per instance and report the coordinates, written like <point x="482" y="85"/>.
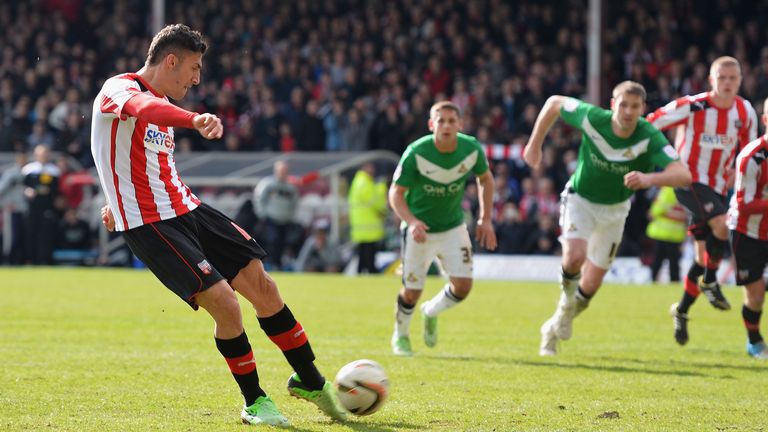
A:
<point x="367" y="208"/>
<point x="668" y="218"/>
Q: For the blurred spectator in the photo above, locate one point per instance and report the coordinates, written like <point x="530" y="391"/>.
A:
<point x="511" y="232"/>
<point x="40" y="136"/>
<point x="311" y="134"/>
<point x="543" y="239"/>
<point x="363" y="62"/>
<point x="668" y="227"/>
<point x="267" y="127"/>
<point x="354" y="131"/>
<point x="367" y="213"/>
<point x="332" y="120"/>
<point x="287" y="141"/>
<point x="277" y="201"/>
<point x="74" y="240"/>
<point x="13" y="201"/>
<point x="319" y="253"/>
<point x="71" y="183"/>
<point x="41" y="181"/>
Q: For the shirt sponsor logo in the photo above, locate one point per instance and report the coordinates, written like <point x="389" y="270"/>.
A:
<point x="610" y="167"/>
<point x="442" y="191"/>
<point x="159" y="141"/>
<point x="720" y="141"/>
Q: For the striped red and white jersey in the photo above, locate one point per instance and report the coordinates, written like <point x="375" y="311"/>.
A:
<point x="751" y="185"/>
<point x="713" y="136"/>
<point x="134" y="159"/>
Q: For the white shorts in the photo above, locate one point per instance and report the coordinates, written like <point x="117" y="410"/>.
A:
<point x="601" y="225"/>
<point x="452" y="248"/>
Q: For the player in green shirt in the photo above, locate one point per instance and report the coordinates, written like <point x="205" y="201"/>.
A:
<point x="426" y="194"/>
<point x="619" y="154"/>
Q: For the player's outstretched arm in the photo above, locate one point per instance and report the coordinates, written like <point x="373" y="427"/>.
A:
<point x="161" y="112"/>
<point x="416" y="227"/>
<point x="484" y="232"/>
<point x="547" y="117"/>
<point x="675" y="175"/>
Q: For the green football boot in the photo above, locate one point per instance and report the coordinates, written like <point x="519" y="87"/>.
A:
<point x="430" y="328"/>
<point x="325" y="398"/>
<point x="263" y="411"/>
<point x="401" y="346"/>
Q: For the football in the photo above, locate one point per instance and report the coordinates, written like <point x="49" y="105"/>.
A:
<point x="362" y="387"/>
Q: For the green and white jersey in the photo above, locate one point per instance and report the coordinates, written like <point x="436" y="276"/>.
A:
<point x="604" y="158"/>
<point x="436" y="181"/>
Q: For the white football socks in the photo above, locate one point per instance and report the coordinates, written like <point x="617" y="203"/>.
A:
<point x="444" y="299"/>
<point x="403" y="317"/>
<point x="569" y="284"/>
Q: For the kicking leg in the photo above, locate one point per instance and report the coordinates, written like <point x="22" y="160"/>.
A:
<point x="232" y="342"/>
<point x="277" y="321"/>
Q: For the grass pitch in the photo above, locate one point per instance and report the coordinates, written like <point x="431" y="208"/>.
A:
<point x="105" y="349"/>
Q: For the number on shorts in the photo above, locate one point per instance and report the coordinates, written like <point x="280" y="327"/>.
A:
<point x="466" y="255"/>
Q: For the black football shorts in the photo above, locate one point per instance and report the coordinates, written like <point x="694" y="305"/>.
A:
<point x="751" y="256"/>
<point x="702" y="204"/>
<point x="191" y="252"/>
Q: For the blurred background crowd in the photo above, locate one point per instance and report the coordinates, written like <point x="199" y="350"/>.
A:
<point x="355" y="75"/>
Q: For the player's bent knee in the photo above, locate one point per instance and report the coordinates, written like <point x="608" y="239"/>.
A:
<point x="217" y="296"/>
<point x="411" y="296"/>
<point x="221" y="303"/>
<point x="754" y="294"/>
<point x="573" y="263"/>
<point x="462" y="288"/>
<point x="719" y="227"/>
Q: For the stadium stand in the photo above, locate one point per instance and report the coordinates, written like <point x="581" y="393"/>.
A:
<point x="353" y="75"/>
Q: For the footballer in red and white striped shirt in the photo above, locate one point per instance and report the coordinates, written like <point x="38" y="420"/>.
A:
<point x="748" y="212"/>
<point x="196" y="251"/>
<point x="748" y="222"/>
<point x="139" y="179"/>
<point x="716" y="124"/>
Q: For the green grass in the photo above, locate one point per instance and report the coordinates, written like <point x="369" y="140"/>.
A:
<point x="103" y="349"/>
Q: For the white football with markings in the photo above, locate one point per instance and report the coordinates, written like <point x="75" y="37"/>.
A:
<point x="362" y="387"/>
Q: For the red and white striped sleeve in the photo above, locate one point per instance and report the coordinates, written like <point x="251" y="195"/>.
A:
<point x="749" y="132"/>
<point x="158" y="111"/>
<point x="672" y="114"/>
<point x="115" y="93"/>
<point x="750" y="179"/>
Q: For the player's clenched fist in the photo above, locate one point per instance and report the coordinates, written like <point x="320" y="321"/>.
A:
<point x="208" y="125"/>
<point x="418" y="231"/>
<point x="532" y="155"/>
<point x="636" y="180"/>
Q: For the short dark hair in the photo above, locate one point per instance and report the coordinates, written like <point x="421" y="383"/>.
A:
<point x="629" y="87"/>
<point x="172" y="39"/>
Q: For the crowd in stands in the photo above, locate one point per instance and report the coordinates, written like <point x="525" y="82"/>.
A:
<point x="355" y="75"/>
